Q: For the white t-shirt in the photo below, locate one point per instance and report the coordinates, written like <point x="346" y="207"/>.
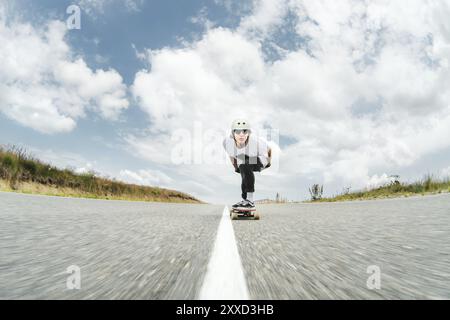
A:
<point x="256" y="148"/>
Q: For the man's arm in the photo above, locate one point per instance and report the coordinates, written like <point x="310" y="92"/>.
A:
<point x="232" y="159"/>
<point x="234" y="163"/>
<point x="269" y="153"/>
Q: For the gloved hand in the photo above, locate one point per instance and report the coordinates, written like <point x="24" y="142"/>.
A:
<point x="236" y="169"/>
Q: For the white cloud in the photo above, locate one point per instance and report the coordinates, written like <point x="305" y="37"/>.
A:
<point x="386" y="58"/>
<point x="86" y="169"/>
<point x="376" y="181"/>
<point x="445" y="173"/>
<point x="63" y="159"/>
<point x="266" y="16"/>
<point x="184" y="85"/>
<point x="44" y="87"/>
<point x="201" y="18"/>
<point x="153" y="148"/>
<point x="146" y="177"/>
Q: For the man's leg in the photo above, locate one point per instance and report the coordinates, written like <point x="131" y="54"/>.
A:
<point x="243" y="189"/>
<point x="248" y="179"/>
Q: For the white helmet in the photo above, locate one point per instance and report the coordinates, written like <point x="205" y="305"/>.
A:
<point x="241" y="124"/>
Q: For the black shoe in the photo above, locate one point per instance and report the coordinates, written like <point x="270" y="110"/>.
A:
<point x="247" y="205"/>
<point x="239" y="204"/>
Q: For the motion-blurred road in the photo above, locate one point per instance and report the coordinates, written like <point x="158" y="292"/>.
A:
<point x="137" y="250"/>
<point x="322" y="251"/>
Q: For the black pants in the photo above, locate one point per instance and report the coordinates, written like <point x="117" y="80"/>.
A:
<point x="247" y="170"/>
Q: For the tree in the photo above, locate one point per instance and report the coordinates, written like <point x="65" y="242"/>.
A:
<point x="346" y="190"/>
<point x="316" y="192"/>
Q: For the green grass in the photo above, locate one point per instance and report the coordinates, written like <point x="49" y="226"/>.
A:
<point x="18" y="167"/>
<point x="428" y="185"/>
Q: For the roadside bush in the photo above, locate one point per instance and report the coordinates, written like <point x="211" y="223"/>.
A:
<point x="9" y="168"/>
<point x="9" y="162"/>
<point x="428" y="183"/>
<point x="17" y="165"/>
<point x="30" y="166"/>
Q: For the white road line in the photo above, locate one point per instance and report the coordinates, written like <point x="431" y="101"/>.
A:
<point x="224" y="279"/>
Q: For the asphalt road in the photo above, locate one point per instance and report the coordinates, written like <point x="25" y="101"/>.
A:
<point x="125" y="250"/>
<point x="323" y="251"/>
<point x="135" y="250"/>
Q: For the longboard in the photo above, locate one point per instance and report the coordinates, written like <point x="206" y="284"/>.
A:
<point x="244" y="213"/>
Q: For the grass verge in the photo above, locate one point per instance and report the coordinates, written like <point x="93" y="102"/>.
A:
<point x="21" y="172"/>
<point x="427" y="186"/>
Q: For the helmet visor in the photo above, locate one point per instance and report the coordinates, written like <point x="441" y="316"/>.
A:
<point x="239" y="131"/>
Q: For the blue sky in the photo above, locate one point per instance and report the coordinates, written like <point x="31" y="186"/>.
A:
<point x="347" y="88"/>
<point x="155" y="25"/>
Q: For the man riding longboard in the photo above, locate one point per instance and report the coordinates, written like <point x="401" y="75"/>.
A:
<point x="248" y="154"/>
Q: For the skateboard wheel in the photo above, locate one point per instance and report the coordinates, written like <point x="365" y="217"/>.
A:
<point x="257" y="216"/>
<point x="233" y="215"/>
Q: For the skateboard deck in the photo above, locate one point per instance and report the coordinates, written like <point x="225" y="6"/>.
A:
<point x="244" y="213"/>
